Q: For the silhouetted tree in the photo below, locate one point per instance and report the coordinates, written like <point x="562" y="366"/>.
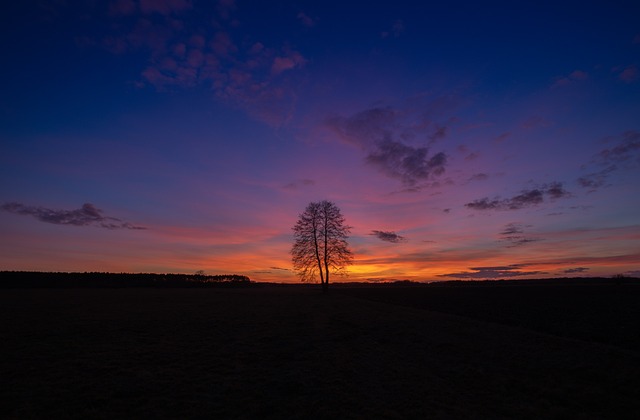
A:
<point x="320" y="244"/>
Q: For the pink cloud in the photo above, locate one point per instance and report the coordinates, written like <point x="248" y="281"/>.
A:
<point x="256" y="48"/>
<point x="225" y="7"/>
<point x="154" y="76"/>
<point x="578" y="75"/>
<point x="574" y="76"/>
<point x="281" y="64"/>
<point x="222" y="44"/>
<point x="197" y="41"/>
<point x="122" y="7"/>
<point x="164" y="7"/>
<point x="306" y="20"/>
<point x="151" y="35"/>
<point x="195" y="58"/>
<point x="169" y="64"/>
<point x="629" y="74"/>
<point x="180" y="50"/>
<point x="244" y="76"/>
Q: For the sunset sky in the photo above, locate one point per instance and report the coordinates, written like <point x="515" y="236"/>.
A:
<point x="461" y="140"/>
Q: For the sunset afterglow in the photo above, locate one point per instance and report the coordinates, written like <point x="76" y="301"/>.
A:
<point x="493" y="141"/>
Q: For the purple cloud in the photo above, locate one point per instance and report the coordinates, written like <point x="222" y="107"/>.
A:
<point x="527" y="198"/>
<point x="164" y="7"/>
<point x="87" y="215"/>
<point x="495" y="272"/>
<point x="627" y="149"/>
<point x="575" y="270"/>
<point x="513" y="234"/>
<point x="596" y="180"/>
<point x="306" y="20"/>
<point x="479" y="177"/>
<point x="395" y="141"/>
<point x="300" y="183"/>
<point x="629" y="74"/>
<point x="407" y="163"/>
<point x="289" y="62"/>
<point x="624" y="154"/>
<point x="388" y="236"/>
<point x="575" y="76"/>
<point x="249" y="76"/>
<point x="122" y="7"/>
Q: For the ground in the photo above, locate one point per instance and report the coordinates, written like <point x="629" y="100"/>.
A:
<point x="294" y="352"/>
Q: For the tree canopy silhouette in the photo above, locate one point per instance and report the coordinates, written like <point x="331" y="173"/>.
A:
<point x="320" y="243"/>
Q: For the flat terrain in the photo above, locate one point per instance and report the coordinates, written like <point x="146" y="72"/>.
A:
<point x="292" y="352"/>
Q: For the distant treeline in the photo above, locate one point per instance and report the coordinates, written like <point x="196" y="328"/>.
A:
<point x="36" y="279"/>
<point x="501" y="282"/>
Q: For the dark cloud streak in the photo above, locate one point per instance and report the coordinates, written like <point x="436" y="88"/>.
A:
<point x="87" y="215"/>
<point x="388" y="236"/>
<point x="493" y="272"/>
<point x="624" y="154"/>
<point x="575" y="270"/>
<point x="526" y="198"/>
<point x="513" y="234"/>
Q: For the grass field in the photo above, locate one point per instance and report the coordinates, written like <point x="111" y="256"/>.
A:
<point x="293" y="352"/>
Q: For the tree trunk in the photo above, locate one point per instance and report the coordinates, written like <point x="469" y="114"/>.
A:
<point x="315" y="243"/>
<point x="326" y="251"/>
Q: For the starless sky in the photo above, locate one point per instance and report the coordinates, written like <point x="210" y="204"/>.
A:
<point x="461" y="140"/>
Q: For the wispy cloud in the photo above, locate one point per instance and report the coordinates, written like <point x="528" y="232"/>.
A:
<point x="625" y="153"/>
<point x="526" y="198"/>
<point x="397" y="28"/>
<point x="493" y="272"/>
<point x="574" y="76"/>
<point x="514" y="235"/>
<point x="87" y="215"/>
<point x="388" y="236"/>
<point x="226" y="7"/>
<point x="596" y="180"/>
<point x="164" y="7"/>
<point x="627" y="149"/>
<point x="306" y="20"/>
<point x="280" y="268"/>
<point x="629" y="74"/>
<point x="122" y="7"/>
<point x="300" y="183"/>
<point x="479" y="177"/>
<point x="575" y="270"/>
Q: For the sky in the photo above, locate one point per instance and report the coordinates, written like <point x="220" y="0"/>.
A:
<point x="461" y="140"/>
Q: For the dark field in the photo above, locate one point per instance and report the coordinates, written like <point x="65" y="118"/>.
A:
<point x="292" y="352"/>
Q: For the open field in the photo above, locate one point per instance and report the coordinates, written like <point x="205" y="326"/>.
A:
<point x="292" y="352"/>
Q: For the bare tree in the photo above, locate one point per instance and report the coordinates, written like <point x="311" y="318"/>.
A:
<point x="320" y="245"/>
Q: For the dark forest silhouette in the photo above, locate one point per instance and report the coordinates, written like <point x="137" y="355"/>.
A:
<point x="30" y="279"/>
